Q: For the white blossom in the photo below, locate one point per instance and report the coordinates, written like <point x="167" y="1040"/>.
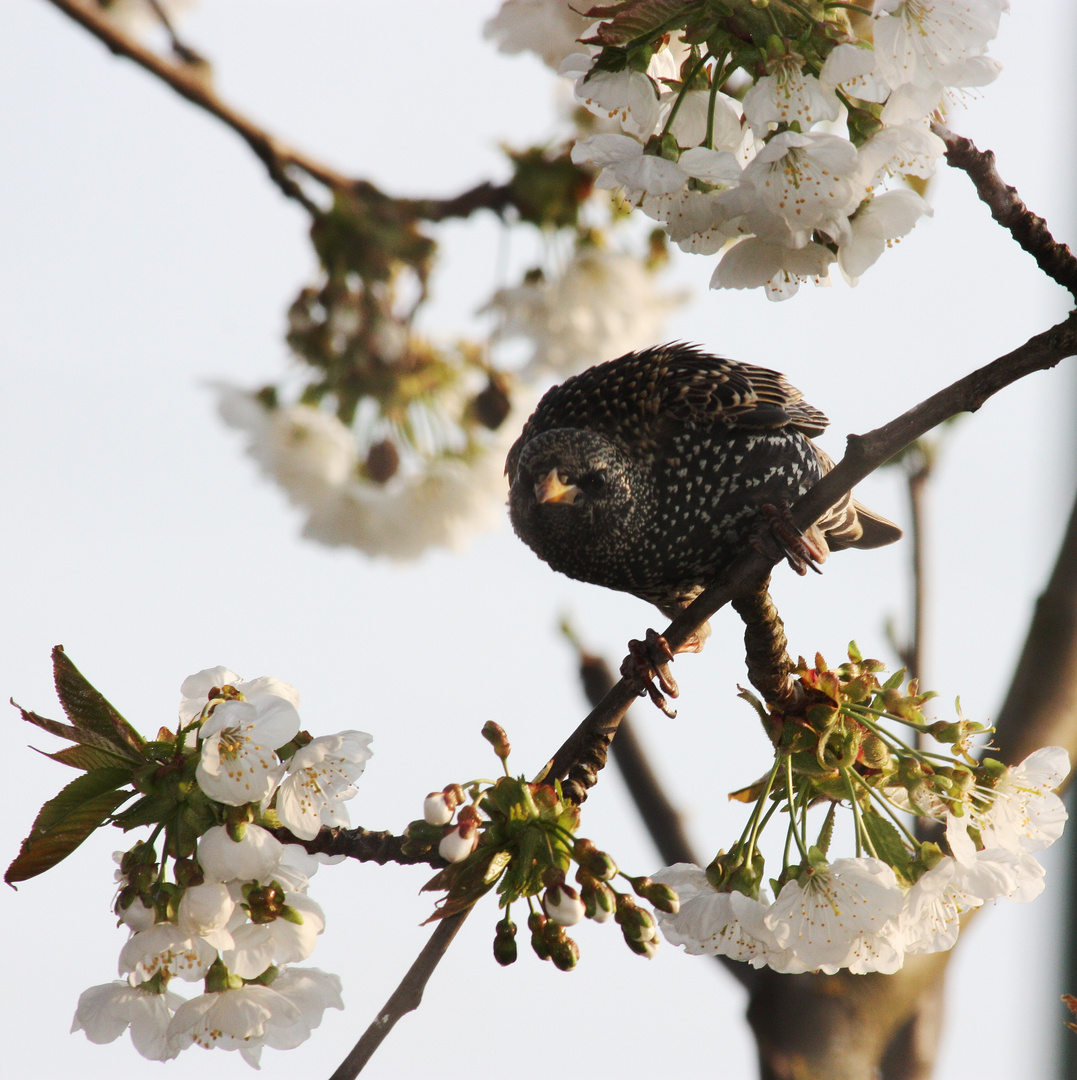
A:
<point x="257" y="945"/>
<point x="713" y="923"/>
<point x="788" y="96"/>
<point x="253" y="858"/>
<point x="548" y="28"/>
<point x="320" y="778"/>
<point x="931" y="917"/>
<point x="822" y="914"/>
<point x="308" y="451"/>
<point x="105" y="1012"/>
<point x="238" y="743"/>
<point x="204" y="911"/>
<point x="604" y="303"/>
<point x="166" y="948"/>
<point x="624" y="164"/>
<point x="753" y="262"/>
<point x="311" y="991"/>
<point x="231" y="1020"/>
<point x="1025" y="813"/>
<point x="876" y="225"/>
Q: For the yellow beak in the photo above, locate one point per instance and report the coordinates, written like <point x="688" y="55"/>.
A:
<point x="551" y="488"/>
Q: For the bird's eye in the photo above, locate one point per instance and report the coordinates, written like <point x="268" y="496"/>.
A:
<point x="592" y="483"/>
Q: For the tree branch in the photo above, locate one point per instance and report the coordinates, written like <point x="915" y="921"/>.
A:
<point x="406" y="998"/>
<point x="192" y="82"/>
<point x="864" y="454"/>
<point x="1030" y="231"/>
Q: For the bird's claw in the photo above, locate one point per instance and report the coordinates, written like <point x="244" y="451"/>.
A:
<point x="779" y="531"/>
<point x="647" y="660"/>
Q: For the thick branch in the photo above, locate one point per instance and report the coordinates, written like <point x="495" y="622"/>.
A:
<point x="361" y="845"/>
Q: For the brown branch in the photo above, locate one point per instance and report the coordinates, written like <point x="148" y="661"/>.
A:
<point x="361" y="845"/>
<point x="864" y="454"/>
<point x="190" y="81"/>
<point x="406" y="998"/>
<point x="1030" y="231"/>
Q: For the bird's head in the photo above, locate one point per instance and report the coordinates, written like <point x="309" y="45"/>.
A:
<point x="573" y="499"/>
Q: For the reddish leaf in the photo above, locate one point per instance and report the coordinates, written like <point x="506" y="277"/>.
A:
<point x="88" y="709"/>
<point x="66" y="820"/>
<point x="639" y="20"/>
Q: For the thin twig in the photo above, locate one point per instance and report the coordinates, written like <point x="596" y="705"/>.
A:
<point x="362" y="845"/>
<point x="406" y="998"/>
<point x="1030" y="231"/>
<point x="280" y="159"/>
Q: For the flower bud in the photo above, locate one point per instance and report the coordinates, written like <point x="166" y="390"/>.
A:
<point x="495" y="735"/>
<point x="874" y="752"/>
<point x="460" y="841"/>
<point x="505" y="942"/>
<point x="564" y="952"/>
<point x="643" y="948"/>
<point x="563" y="905"/>
<point x="663" y="897"/>
<point x="600" y="901"/>
<point x="436" y="809"/>
<point x="536" y="923"/>
<point x="597" y="863"/>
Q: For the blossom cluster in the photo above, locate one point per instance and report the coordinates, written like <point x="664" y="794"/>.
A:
<point x="520" y="838"/>
<point x="212" y="895"/>
<point x="897" y="895"/>
<point x="771" y="132"/>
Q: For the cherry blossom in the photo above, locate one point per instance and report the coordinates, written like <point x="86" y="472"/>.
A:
<point x="105" y="1012"/>
<point x="320" y="778"/>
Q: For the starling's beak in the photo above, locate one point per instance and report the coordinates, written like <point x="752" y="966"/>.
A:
<point x="552" y="489"/>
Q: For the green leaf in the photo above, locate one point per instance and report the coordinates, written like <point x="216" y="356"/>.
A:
<point x="88" y="709"/>
<point x="887" y="841"/>
<point x="66" y="820"/>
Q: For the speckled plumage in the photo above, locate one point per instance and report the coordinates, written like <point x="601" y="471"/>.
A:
<point x="666" y="456"/>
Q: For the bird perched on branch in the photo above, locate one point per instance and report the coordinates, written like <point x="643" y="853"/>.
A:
<point x="651" y="473"/>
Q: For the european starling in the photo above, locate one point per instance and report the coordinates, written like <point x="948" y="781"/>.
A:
<point x="648" y="474"/>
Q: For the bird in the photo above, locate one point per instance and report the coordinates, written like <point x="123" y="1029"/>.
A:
<point x="650" y="474"/>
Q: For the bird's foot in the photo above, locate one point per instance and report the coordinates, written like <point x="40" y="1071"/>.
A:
<point x="779" y="532"/>
<point x="648" y="660"/>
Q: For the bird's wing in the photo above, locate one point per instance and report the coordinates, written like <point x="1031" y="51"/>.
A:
<point x="700" y="388"/>
<point x="638" y="397"/>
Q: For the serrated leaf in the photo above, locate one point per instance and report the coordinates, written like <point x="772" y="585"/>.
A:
<point x="82" y="736"/>
<point x="66" y="820"/>
<point x="86" y="758"/>
<point x="887" y="842"/>
<point x="88" y="709"/>
<point x="638" y="20"/>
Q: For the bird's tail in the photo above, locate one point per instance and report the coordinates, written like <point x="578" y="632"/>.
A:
<point x="849" y="523"/>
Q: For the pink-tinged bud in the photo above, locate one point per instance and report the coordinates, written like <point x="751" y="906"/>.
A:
<point x="436" y="809"/>
<point x="495" y="735"/>
<point x="459" y="842"/>
<point x="563" y="904"/>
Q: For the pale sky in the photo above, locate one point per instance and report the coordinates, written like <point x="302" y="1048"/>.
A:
<point x="145" y="254"/>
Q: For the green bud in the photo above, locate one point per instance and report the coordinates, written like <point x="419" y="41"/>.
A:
<point x="874" y="752"/>
<point x="643" y="948"/>
<point x="505" y="942"/>
<point x="663" y="897"/>
<point x="564" y="952"/>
